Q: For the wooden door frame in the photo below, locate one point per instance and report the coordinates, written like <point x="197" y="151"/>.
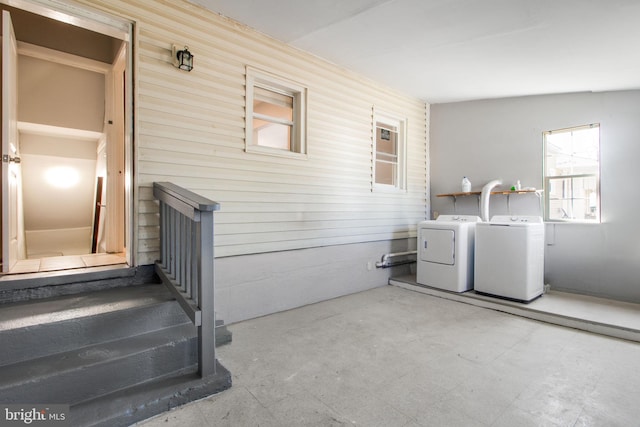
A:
<point x="115" y="87"/>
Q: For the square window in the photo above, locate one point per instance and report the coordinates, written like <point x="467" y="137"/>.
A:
<point x="572" y="174"/>
<point x="275" y="122"/>
<point x="389" y="150"/>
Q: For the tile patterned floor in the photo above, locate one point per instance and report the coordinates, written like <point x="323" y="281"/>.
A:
<point x="395" y="357"/>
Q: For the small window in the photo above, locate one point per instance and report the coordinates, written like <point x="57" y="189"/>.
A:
<point x="389" y="150"/>
<point x="572" y="174"/>
<point x="275" y="110"/>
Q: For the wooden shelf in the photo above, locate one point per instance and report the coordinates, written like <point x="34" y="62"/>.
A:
<point x="477" y="193"/>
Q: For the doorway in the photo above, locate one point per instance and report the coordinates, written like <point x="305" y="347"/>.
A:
<point x="65" y="142"/>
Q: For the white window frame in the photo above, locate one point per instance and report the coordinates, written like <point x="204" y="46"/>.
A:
<point x="401" y="166"/>
<point x="268" y="81"/>
<point x="548" y="178"/>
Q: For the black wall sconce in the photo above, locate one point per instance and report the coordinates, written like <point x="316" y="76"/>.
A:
<point x="182" y="58"/>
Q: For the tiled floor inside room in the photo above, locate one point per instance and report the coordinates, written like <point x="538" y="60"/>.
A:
<point x="69" y="262"/>
<point x="395" y="357"/>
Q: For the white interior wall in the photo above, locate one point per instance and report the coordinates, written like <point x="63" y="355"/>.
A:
<point x="58" y="191"/>
<point x="60" y="95"/>
<point x="58" y="214"/>
<point x="502" y="138"/>
<point x="58" y="242"/>
<point x="58" y="208"/>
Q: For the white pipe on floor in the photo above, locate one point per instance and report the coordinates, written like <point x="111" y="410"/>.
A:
<point x="384" y="261"/>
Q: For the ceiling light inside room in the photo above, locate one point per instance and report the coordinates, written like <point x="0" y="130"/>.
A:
<point x="62" y="176"/>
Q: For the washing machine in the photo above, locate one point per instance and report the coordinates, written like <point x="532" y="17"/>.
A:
<point x="445" y="252"/>
<point x="509" y="257"/>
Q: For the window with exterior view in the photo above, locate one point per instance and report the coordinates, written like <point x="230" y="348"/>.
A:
<point x="572" y="174"/>
<point x="386" y="153"/>
<point x="389" y="149"/>
<point x="272" y="118"/>
<point x="275" y="115"/>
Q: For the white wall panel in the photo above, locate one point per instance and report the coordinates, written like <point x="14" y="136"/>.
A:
<point x="190" y="131"/>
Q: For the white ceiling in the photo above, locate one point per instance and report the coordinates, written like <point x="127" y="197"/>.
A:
<point x="454" y="50"/>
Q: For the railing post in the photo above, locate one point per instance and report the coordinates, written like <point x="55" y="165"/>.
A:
<point x="206" y="331"/>
<point x="163" y="232"/>
<point x="187" y="264"/>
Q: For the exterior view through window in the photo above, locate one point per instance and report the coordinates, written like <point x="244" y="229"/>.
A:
<point x="275" y="115"/>
<point x="386" y="153"/>
<point x="272" y="118"/>
<point x="572" y="174"/>
<point x="389" y="147"/>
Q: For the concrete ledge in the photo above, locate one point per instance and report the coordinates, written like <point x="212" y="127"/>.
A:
<point x="24" y="287"/>
<point x="628" y="331"/>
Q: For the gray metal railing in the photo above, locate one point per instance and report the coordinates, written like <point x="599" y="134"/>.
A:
<point x="186" y="266"/>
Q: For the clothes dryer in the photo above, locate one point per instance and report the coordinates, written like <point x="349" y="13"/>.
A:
<point x="445" y="252"/>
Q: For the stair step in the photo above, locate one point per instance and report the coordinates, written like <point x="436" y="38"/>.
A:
<point x="39" y="328"/>
<point x="26" y="287"/>
<point x="88" y="372"/>
<point x="118" y="348"/>
<point x="33" y="312"/>
<point x="125" y="407"/>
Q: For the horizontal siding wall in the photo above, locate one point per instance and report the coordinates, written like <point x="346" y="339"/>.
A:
<point x="189" y="129"/>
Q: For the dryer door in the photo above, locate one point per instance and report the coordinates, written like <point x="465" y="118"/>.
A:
<point x="437" y="245"/>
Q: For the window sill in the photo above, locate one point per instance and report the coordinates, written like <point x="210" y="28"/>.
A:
<point x="381" y="188"/>
<point x="268" y="151"/>
<point x="554" y="222"/>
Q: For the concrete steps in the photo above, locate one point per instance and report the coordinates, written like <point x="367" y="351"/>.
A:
<point x="84" y="373"/>
<point x="115" y="356"/>
<point x="53" y="325"/>
<point x="136" y="403"/>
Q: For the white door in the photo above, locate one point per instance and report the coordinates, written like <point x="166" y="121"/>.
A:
<point x="437" y="245"/>
<point x="10" y="154"/>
